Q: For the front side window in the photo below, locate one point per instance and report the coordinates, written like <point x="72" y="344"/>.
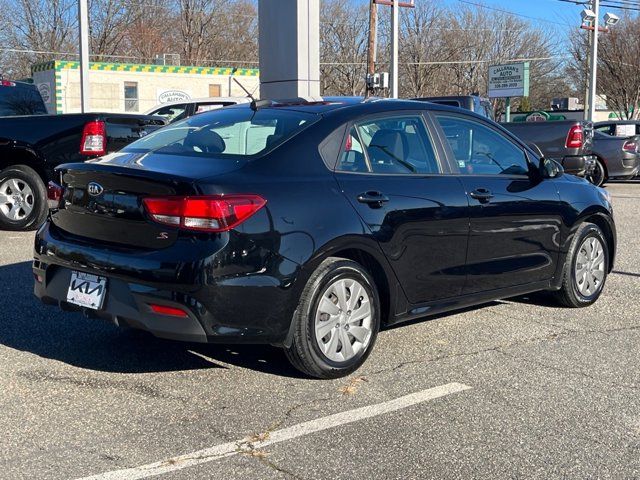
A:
<point x="131" y="96"/>
<point x="395" y="145"/>
<point x="235" y="131"/>
<point x="481" y="150"/>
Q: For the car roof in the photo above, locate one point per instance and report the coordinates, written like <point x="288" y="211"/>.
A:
<point x="199" y="100"/>
<point x="354" y="106"/>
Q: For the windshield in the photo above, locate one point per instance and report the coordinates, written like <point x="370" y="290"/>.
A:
<point x="233" y="131"/>
<point x="19" y="100"/>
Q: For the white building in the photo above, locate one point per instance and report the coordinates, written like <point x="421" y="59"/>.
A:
<point x="124" y="87"/>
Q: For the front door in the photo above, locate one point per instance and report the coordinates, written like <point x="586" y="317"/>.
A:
<point x="515" y="217"/>
<point x="398" y="183"/>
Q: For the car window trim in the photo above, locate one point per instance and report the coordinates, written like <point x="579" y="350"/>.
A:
<point x="394" y="114"/>
<point x="451" y="155"/>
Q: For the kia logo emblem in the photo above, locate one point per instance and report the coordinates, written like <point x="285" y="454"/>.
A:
<point x="95" y="189"/>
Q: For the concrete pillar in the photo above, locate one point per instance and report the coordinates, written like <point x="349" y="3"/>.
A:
<point x="289" y="44"/>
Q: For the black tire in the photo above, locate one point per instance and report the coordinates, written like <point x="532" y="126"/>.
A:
<point x="38" y="200"/>
<point x="569" y="294"/>
<point x="599" y="175"/>
<point x="305" y="353"/>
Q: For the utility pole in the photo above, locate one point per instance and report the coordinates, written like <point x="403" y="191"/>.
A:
<point x="83" y="22"/>
<point x="373" y="42"/>
<point x="587" y="93"/>
<point x="394" y="48"/>
<point x="594" y="61"/>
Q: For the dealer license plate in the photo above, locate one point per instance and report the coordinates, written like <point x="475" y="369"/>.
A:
<point x="87" y="290"/>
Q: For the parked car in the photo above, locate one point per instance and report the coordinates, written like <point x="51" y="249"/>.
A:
<point x="311" y="225"/>
<point x="19" y="98"/>
<point x="174" y="111"/>
<point x="32" y="146"/>
<point x="617" y="157"/>
<point x="568" y="142"/>
<point x="481" y="106"/>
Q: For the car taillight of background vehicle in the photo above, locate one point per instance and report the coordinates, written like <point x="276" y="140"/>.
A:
<point x="94" y="139"/>
<point x="575" y="139"/>
<point x="215" y="213"/>
<point x="631" y="147"/>
<point x="54" y="195"/>
<point x="7" y="83"/>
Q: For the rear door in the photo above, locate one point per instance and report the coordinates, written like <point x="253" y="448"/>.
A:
<point x="515" y="217"/>
<point x="397" y="179"/>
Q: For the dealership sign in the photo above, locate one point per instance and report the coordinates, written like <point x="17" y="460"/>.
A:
<point x="170" y="96"/>
<point x="510" y="80"/>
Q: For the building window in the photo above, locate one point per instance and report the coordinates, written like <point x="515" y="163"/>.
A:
<point x="130" y="96"/>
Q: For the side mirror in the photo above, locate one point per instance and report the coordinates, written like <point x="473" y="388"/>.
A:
<point x="550" y="168"/>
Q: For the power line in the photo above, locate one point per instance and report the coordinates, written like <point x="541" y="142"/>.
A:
<point x="480" y="5"/>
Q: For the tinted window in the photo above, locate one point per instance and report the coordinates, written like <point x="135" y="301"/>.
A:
<point x="172" y="113"/>
<point x="606" y="129"/>
<point x="480" y="150"/>
<point x="236" y="131"/>
<point x="20" y="100"/>
<point x="352" y="158"/>
<point x="398" y="145"/>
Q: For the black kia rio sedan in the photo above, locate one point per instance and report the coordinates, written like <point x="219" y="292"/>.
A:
<point x="311" y="225"/>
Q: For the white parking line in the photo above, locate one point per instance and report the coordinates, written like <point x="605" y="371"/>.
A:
<point x="289" y="433"/>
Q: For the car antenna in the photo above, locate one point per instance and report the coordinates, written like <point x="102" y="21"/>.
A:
<point x="254" y="103"/>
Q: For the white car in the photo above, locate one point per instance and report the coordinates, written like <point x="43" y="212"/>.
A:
<point x="174" y="111"/>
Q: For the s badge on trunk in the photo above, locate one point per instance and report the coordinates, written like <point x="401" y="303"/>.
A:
<point x="94" y="189"/>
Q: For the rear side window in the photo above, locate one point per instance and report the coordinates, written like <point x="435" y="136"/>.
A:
<point x="234" y="131"/>
<point x="395" y="145"/>
<point x="480" y="150"/>
<point x="20" y="100"/>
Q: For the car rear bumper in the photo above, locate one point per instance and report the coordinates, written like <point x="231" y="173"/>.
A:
<point x="225" y="300"/>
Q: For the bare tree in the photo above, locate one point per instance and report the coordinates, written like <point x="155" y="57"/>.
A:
<point x="343" y="40"/>
<point x="40" y="27"/>
<point x="618" y="68"/>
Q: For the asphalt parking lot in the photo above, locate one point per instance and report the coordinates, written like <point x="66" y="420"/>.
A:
<point x="512" y="389"/>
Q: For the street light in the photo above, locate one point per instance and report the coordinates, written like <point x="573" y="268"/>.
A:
<point x="588" y="16"/>
<point x="610" y="19"/>
<point x="590" y="19"/>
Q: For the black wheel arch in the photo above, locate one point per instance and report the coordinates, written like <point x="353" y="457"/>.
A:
<point x="13" y="155"/>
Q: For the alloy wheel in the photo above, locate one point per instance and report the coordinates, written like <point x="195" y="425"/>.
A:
<point x="589" y="270"/>
<point x="598" y="176"/>
<point x="16" y="199"/>
<point x="343" y="322"/>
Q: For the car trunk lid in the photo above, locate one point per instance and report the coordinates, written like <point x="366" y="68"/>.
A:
<point x="103" y="199"/>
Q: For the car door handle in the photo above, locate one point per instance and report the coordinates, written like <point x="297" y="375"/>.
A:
<point x="481" y="194"/>
<point x="372" y="198"/>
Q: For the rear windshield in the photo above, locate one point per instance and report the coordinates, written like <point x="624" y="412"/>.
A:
<point x="20" y="100"/>
<point x="232" y="131"/>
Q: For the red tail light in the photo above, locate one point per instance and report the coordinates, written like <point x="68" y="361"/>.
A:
<point x="631" y="147"/>
<point x="7" y="83"/>
<point x="575" y="139"/>
<point x="215" y="213"/>
<point x="54" y="195"/>
<point x="164" y="310"/>
<point x="94" y="139"/>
